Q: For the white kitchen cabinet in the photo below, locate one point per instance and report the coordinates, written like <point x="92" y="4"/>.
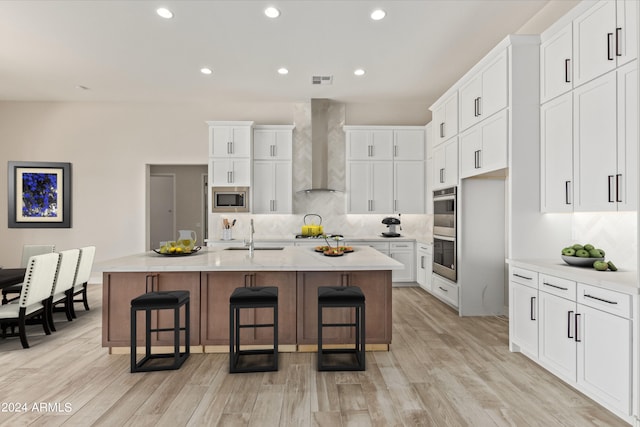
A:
<point x="370" y="187"/>
<point x="483" y="148"/>
<point x="403" y="252"/>
<point x="428" y="168"/>
<point x="445" y="164"/>
<point x="523" y="310"/>
<point x="272" y="142"/>
<point x="424" y="260"/>
<point x="408" y="144"/>
<point x="445" y="118"/>
<point x="230" y="139"/>
<point x="604" y="37"/>
<point x="485" y="93"/>
<point x="445" y="290"/>
<point x="558" y="351"/>
<point x="272" y="187"/>
<point x="230" y="172"/>
<point x="556" y="59"/>
<point x="585" y="333"/>
<point x="595" y="157"/>
<point x="409" y="187"/>
<point x="369" y="144"/>
<point x="628" y="114"/>
<point x="556" y="142"/>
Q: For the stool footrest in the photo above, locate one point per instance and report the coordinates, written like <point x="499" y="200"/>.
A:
<point x="259" y="325"/>
<point x="252" y="352"/>
<point x="338" y="325"/>
<point x="166" y="329"/>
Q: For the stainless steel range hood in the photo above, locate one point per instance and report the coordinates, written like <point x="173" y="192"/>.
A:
<point x="319" y="147"/>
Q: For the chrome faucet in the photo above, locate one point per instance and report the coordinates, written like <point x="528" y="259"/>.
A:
<point x="251" y="243"/>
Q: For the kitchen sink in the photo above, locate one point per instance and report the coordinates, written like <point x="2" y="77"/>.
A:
<point x="245" y="248"/>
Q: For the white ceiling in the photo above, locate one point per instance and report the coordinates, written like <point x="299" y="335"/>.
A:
<point x="123" y="51"/>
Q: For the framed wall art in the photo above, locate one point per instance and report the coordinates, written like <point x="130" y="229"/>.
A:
<point x="39" y="195"/>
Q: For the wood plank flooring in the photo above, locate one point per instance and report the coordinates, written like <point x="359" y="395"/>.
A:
<point x="442" y="370"/>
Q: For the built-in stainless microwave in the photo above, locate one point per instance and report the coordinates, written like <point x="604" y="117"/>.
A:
<point x="230" y="199"/>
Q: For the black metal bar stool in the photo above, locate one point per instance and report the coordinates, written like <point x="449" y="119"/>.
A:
<point x="168" y="300"/>
<point x="252" y="297"/>
<point x="342" y="296"/>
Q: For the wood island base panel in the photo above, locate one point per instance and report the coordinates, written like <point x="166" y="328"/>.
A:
<point x="211" y="275"/>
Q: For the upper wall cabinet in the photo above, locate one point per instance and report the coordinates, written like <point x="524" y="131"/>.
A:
<point x="272" y="188"/>
<point x="604" y="37"/>
<point x="556" y="59"/>
<point x="272" y="142"/>
<point x="370" y="144"/>
<point x="230" y="153"/>
<point x="445" y="118"/>
<point x="485" y="93"/>
<point x="483" y="148"/>
<point x="409" y="144"/>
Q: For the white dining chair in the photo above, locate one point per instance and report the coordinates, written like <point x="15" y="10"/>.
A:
<point x="87" y="254"/>
<point x="36" y="290"/>
<point x="27" y="252"/>
<point x="63" y="285"/>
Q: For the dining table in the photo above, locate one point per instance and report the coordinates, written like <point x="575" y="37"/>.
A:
<point x="11" y="276"/>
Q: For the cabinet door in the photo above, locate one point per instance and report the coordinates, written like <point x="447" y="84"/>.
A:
<point x="409" y="186"/>
<point x="556" y="139"/>
<point x="495" y="134"/>
<point x="627" y="177"/>
<point x="451" y="163"/>
<point x="595" y="158"/>
<point x="626" y="31"/>
<point x="382" y="187"/>
<point x="216" y="288"/>
<point x="557" y="351"/>
<point x="358" y="143"/>
<point x="450" y="127"/>
<point x="283" y="201"/>
<point x="376" y="287"/>
<point x="406" y="258"/>
<point x="264" y="143"/>
<point x="231" y="172"/>
<point x="604" y="357"/>
<point x="358" y="187"/>
<point x="439" y="120"/>
<point x="470" y="148"/>
<point x="494" y="87"/>
<point x="183" y="281"/>
<point x="285" y="281"/>
<point x="438" y="170"/>
<point x="524" y="318"/>
<point x="409" y="145"/>
<point x="594" y="35"/>
<point x="370" y="144"/>
<point x="229" y="141"/>
<point x="470" y="93"/>
<point x="263" y="187"/>
<point x="555" y="64"/>
<point x="220" y="171"/>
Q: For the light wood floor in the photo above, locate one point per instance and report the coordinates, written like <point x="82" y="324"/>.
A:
<point x="442" y="370"/>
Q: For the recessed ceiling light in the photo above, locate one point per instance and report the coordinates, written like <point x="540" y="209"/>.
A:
<point x="205" y="70"/>
<point x="164" y="12"/>
<point x="283" y="71"/>
<point x="359" y="72"/>
<point x="272" y="12"/>
<point x="378" y="14"/>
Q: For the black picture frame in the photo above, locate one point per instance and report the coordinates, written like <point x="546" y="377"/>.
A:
<point x="39" y="194"/>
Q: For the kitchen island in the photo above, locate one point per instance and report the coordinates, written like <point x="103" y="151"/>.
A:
<point x="213" y="273"/>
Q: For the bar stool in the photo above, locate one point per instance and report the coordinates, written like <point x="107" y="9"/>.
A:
<point x="342" y="296"/>
<point x="167" y="300"/>
<point x="252" y="297"/>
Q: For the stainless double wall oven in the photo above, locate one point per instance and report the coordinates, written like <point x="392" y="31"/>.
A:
<point x="444" y="233"/>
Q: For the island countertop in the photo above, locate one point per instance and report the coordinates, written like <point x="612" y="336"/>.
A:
<point x="290" y="258"/>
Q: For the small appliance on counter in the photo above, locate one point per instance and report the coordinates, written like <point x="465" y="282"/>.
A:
<point x="391" y="223"/>
<point x="312" y="229"/>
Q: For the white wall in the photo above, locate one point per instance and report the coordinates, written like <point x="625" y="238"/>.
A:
<point x="109" y="146"/>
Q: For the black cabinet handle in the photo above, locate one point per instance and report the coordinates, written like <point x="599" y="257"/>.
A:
<point x="609" y="50"/>
<point x="555" y="286"/>
<point x="479" y="106"/>
<point x="567" y="198"/>
<point x="618" y="183"/>
<point x="618" y="37"/>
<point x="600" y="299"/>
<point x="443" y="289"/>
<point x="442" y="130"/>
<point x="569" y="313"/>
<point x="609" y="185"/>
<point x="532" y="317"/>
<point x="566" y="70"/>
<point x="577" y="324"/>
<point x="522" y="277"/>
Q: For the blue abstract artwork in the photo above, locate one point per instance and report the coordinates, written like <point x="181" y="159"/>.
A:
<point x="39" y="195"/>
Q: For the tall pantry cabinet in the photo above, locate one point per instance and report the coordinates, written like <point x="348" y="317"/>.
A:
<point x="589" y="78"/>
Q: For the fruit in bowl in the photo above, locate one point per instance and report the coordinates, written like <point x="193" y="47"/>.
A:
<point x="587" y="256"/>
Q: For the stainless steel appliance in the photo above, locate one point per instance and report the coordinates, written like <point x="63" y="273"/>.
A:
<point x="230" y="199"/>
<point x="391" y="223"/>
<point x="444" y="233"/>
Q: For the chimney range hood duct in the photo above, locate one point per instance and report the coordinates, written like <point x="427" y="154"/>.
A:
<point x="319" y="147"/>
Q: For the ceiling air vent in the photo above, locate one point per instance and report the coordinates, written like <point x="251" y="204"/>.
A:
<point x="321" y="80"/>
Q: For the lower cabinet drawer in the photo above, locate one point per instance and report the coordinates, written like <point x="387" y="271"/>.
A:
<point x="557" y="286"/>
<point x="445" y="290"/>
<point x="604" y="299"/>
